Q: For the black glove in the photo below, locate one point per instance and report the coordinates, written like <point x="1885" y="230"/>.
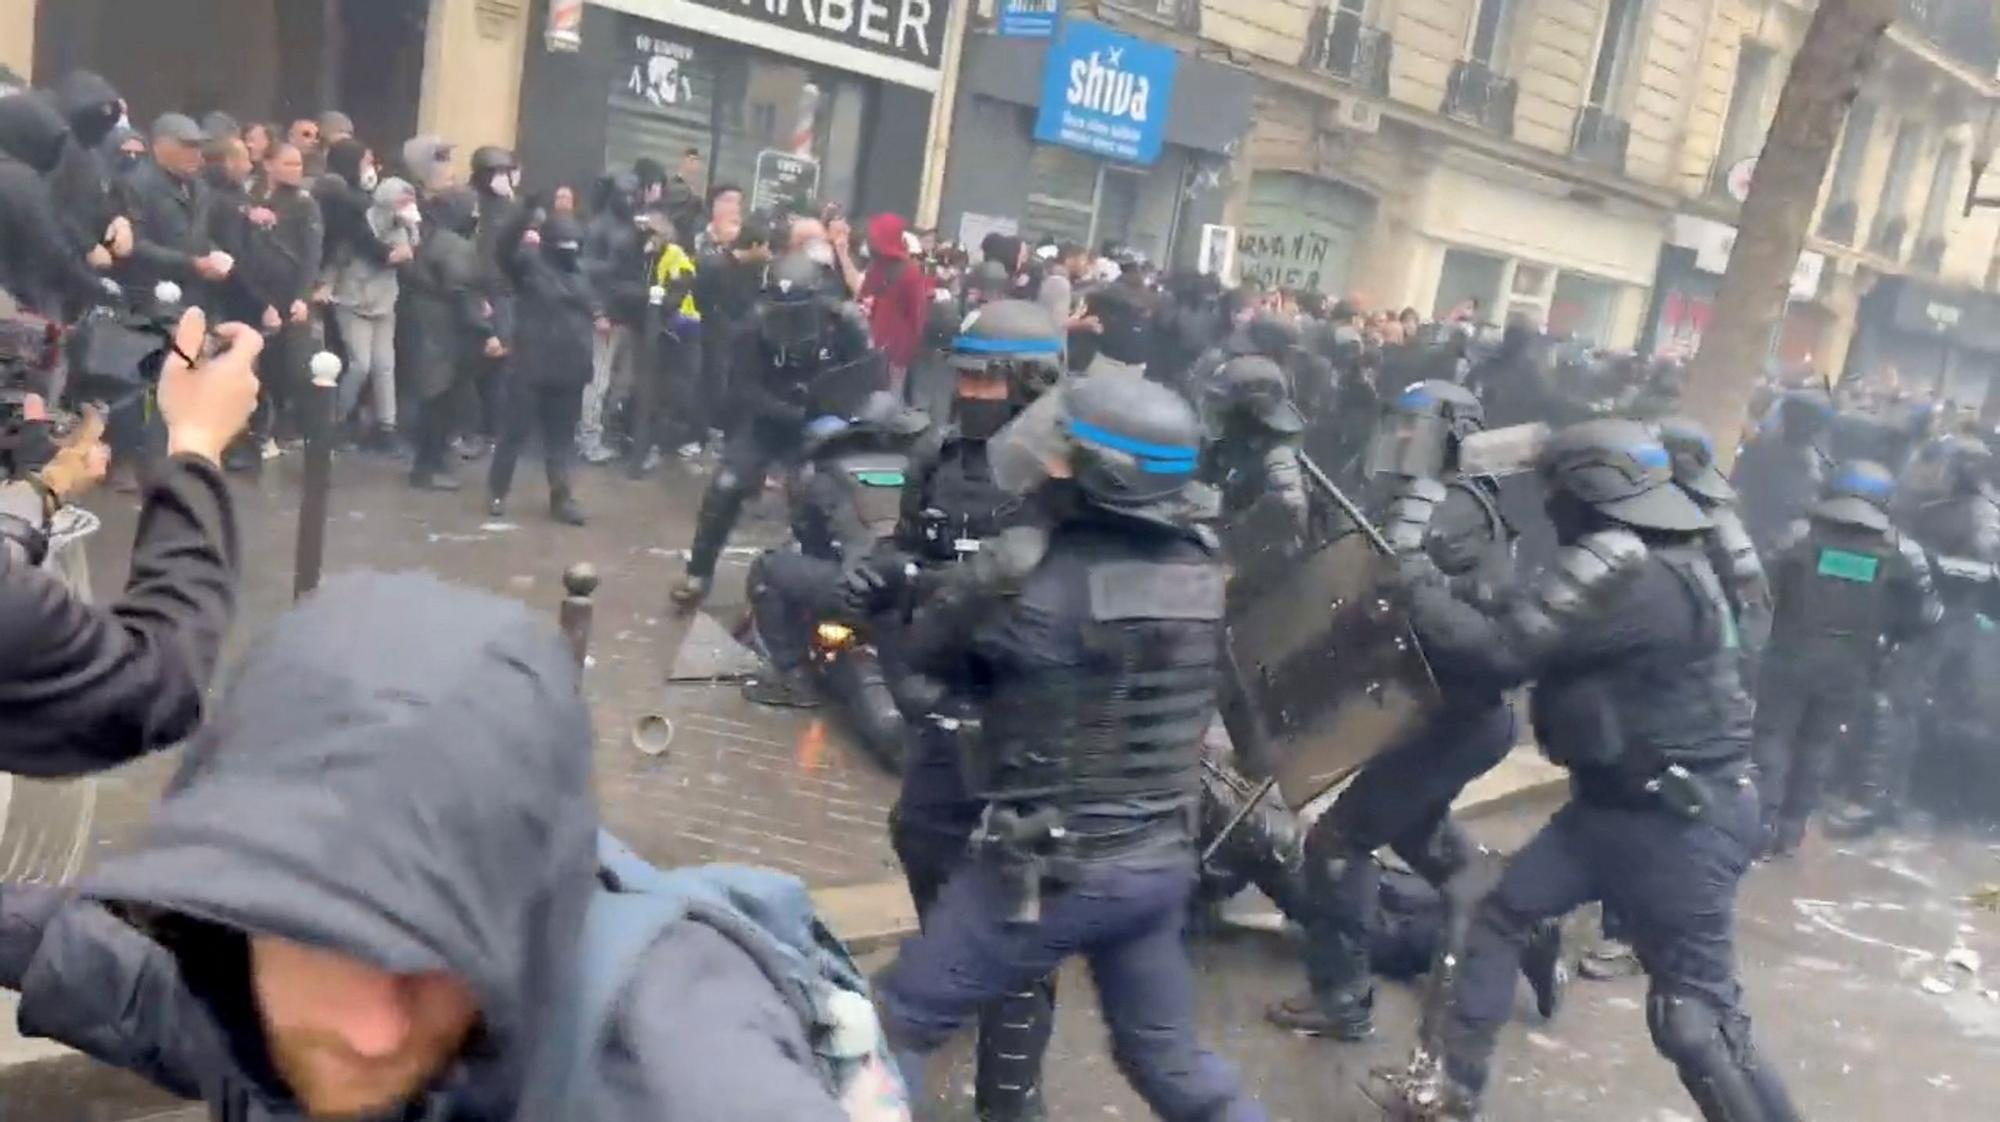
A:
<point x="871" y="584"/>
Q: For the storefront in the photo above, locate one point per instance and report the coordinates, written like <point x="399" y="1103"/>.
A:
<point x="1690" y="275"/>
<point x="1929" y="339"/>
<point x="1491" y="244"/>
<point x="1303" y="233"/>
<point x="795" y="103"/>
<point x="1093" y="137"/>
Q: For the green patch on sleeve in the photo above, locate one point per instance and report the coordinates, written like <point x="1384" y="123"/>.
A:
<point x="879" y="478"/>
<point x="1841" y="564"/>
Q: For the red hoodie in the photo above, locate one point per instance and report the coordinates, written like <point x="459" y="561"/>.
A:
<point x="899" y="293"/>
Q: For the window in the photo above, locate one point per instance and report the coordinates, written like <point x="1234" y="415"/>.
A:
<point x="1469" y="283"/>
<point x="1743" y="130"/>
<point x="1896" y="181"/>
<point x="1615" y="51"/>
<point x="1492" y="31"/>
<point x="1853" y="151"/>
<point x="1062" y="194"/>
<point x="1583" y="308"/>
<point x="1944" y="184"/>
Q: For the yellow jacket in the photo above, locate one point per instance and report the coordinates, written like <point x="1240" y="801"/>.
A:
<point x="674" y="265"/>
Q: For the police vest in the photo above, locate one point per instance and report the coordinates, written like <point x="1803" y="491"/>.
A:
<point x="1114" y="714"/>
<point x="1845" y="590"/>
<point x="970" y="507"/>
<point x="1681" y="704"/>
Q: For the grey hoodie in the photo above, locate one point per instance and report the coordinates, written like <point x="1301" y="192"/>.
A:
<point x="366" y="287"/>
<point x="401" y="772"/>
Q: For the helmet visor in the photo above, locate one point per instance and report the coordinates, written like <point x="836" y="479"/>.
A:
<point x="1020" y="454"/>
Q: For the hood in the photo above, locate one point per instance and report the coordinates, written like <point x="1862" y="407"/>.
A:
<point x="885" y="237"/>
<point x="457" y="210"/>
<point x="344" y="160"/>
<point x="32" y="131"/>
<point x="1003" y="248"/>
<point x="90" y="104"/>
<point x="400" y="771"/>
<point x="393" y="192"/>
<point x="424" y="155"/>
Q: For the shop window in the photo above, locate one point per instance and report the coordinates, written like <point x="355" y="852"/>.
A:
<point x="1584" y="307"/>
<point x="1892" y="216"/>
<point x="664" y="103"/>
<point x="766" y="104"/>
<point x="1062" y="194"/>
<point x="1469" y="285"/>
<point x="1743" y="130"/>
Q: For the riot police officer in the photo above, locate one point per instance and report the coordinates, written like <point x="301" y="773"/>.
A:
<point x="1402" y="797"/>
<point x="1846" y="588"/>
<point x="1781" y="470"/>
<point x="1252" y="453"/>
<point x="799" y="339"/>
<point x="1006" y="354"/>
<point x="1731" y="553"/>
<point x="1097" y="680"/>
<point x="843" y="498"/>
<point x="1627" y="640"/>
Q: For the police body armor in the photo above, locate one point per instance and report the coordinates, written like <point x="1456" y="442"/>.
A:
<point x="1846" y="596"/>
<point x="1090" y="742"/>
<point x="1734" y="557"/>
<point x="1622" y="730"/>
<point x="961" y="505"/>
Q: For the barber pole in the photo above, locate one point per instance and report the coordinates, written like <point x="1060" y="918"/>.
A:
<point x="802" y="133"/>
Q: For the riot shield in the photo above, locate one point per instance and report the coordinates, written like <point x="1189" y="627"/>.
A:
<point x="1323" y="670"/>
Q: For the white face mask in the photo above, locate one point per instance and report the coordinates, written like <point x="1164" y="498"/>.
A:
<point x="369" y="177"/>
<point x="503" y="186"/>
<point x="821" y="253"/>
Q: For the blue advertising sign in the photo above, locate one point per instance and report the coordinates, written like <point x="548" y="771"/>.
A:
<point x="1106" y="93"/>
<point x="1029" y="19"/>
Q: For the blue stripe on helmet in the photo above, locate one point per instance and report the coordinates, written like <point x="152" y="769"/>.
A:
<point x="1650" y="456"/>
<point x="1416" y="397"/>
<point x="1864" y="483"/>
<point x="973" y="344"/>
<point x="1154" y="459"/>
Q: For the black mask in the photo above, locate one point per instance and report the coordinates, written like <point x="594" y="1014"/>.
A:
<point x="566" y="256"/>
<point x="979" y="418"/>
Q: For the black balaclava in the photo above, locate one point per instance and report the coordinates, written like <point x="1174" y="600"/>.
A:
<point x="455" y="209"/>
<point x="32" y="131"/>
<point x="562" y="242"/>
<point x="91" y="105"/>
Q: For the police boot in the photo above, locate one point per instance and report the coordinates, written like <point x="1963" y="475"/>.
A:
<point x="1344" y="1017"/>
<point x="1409" y="1095"/>
<point x="782" y="689"/>
<point x="690" y="591"/>
<point x="1542" y="964"/>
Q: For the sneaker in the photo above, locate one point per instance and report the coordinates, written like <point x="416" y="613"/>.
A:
<point x="270" y="450"/>
<point x="689" y="451"/>
<point x="690" y="591"/>
<point x="1542" y="964"/>
<point x="781" y="690"/>
<point x="1304" y="1013"/>
<point x="472" y="447"/>
<point x="563" y="509"/>
<point x="496" y="507"/>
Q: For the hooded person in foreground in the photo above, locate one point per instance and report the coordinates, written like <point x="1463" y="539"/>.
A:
<point x="363" y="897"/>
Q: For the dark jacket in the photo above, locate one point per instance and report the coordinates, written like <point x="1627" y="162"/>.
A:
<point x="284" y="266"/>
<point x="615" y="260"/>
<point x="435" y="739"/>
<point x="39" y="262"/>
<point x="343" y="206"/>
<point x="554" y="308"/>
<point x="226" y="226"/>
<point x="447" y="315"/>
<point x="84" y="688"/>
<point x="90" y="106"/>
<point x="167" y="230"/>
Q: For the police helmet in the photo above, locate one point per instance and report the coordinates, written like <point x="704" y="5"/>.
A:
<point x="1265" y="334"/>
<point x="788" y="316"/>
<point x="1693" y="455"/>
<point x="1804" y="413"/>
<point x="1418" y="432"/>
<point x="1134" y="443"/>
<point x="1255" y="387"/>
<point x="1964" y="464"/>
<point x="1621" y="470"/>
<point x="1858" y="494"/>
<point x="1017" y="339"/>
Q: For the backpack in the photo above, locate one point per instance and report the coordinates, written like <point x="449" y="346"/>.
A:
<point x="770" y="917"/>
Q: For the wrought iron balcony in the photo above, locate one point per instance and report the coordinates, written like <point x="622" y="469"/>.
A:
<point x="1837" y="224"/>
<point x="1474" y="93"/>
<point x="1601" y="138"/>
<point x="1341" y="43"/>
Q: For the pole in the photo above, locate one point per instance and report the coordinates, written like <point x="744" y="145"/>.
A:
<point x="1347" y="506"/>
<point x="320" y="422"/>
<point x="579" y="585"/>
<point x="930" y="193"/>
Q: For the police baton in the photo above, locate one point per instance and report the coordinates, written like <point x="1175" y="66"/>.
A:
<point x="320" y="423"/>
<point x="1347" y="506"/>
<point x="579" y="585"/>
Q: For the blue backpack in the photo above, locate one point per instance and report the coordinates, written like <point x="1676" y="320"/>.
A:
<point x="770" y="917"/>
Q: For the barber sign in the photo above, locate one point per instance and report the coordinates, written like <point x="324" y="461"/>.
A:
<point x="1106" y="93"/>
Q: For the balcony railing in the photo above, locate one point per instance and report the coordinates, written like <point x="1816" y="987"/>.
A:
<point x="1474" y="93"/>
<point x="1930" y="254"/>
<point x="1340" y="43"/>
<point x="1837" y="224"/>
<point x="1601" y="138"/>
<point x="1887" y="237"/>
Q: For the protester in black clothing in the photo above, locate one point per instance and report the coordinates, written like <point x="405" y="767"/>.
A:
<point x="449" y="329"/>
<point x="286" y="268"/>
<point x="555" y="316"/>
<point x="684" y="197"/>
<point x="164" y="197"/>
<point x="616" y="264"/>
<point x="84" y="688"/>
<point x="39" y="264"/>
<point x="726" y="284"/>
<point x="495" y="177"/>
<point x="82" y="192"/>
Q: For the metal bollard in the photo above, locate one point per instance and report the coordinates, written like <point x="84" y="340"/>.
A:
<point x="579" y="584"/>
<point x="320" y="424"/>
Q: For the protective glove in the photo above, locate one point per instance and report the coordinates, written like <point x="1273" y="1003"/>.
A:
<point x="868" y="586"/>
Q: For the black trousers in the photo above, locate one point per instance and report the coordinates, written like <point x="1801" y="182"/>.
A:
<point x="551" y="410"/>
